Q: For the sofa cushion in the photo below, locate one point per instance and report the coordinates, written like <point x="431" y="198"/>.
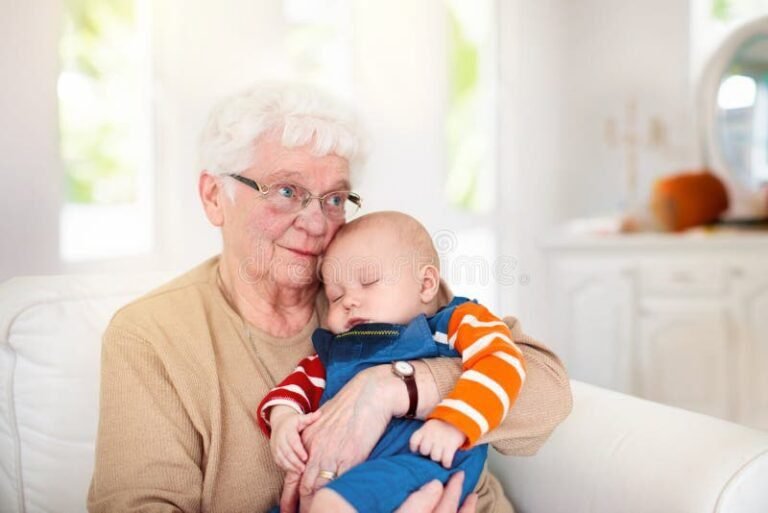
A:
<point x="50" y="329"/>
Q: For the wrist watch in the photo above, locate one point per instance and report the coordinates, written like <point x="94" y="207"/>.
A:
<point x="406" y="372"/>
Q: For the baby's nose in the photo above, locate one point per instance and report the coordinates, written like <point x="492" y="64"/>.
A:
<point x="350" y="301"/>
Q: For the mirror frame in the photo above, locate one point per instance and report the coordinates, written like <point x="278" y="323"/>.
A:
<point x="744" y="202"/>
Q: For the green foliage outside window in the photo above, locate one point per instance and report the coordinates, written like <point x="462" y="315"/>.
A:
<point x="733" y="10"/>
<point x="721" y="9"/>
<point x="469" y="142"/>
<point x="101" y="116"/>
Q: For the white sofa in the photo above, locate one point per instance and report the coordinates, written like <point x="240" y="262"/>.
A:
<point x="614" y="454"/>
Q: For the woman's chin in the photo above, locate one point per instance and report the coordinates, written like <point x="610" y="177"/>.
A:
<point x="300" y="274"/>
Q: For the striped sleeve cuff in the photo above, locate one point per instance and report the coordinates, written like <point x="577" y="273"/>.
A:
<point x="462" y="416"/>
<point x="265" y="410"/>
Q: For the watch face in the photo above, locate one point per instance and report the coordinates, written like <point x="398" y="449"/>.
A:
<point x="404" y="368"/>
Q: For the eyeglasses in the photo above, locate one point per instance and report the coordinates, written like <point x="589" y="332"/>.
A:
<point x="289" y="198"/>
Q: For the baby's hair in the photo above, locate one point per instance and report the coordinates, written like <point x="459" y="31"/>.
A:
<point x="398" y="236"/>
<point x="404" y="228"/>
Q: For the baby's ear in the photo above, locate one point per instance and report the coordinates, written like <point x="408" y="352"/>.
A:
<point x="430" y="283"/>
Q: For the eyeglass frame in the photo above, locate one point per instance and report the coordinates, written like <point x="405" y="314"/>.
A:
<point x="264" y="190"/>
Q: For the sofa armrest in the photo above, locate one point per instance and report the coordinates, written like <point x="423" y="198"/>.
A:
<point x="50" y="341"/>
<point x="620" y="453"/>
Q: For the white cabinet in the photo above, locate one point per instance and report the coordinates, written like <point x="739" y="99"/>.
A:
<point x="754" y="314"/>
<point x="674" y="319"/>
<point x="592" y="306"/>
<point x="688" y="358"/>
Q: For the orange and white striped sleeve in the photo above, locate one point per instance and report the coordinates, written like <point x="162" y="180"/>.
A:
<point x="494" y="372"/>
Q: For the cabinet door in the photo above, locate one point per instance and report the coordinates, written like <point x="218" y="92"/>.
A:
<point x="592" y="316"/>
<point x="753" y="303"/>
<point x="687" y="357"/>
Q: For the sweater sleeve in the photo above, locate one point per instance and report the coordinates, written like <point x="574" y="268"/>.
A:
<point x="493" y="373"/>
<point x="300" y="390"/>
<point x="142" y="416"/>
<point x="544" y="402"/>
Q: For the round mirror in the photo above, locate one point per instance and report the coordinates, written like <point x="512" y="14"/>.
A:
<point x="742" y="112"/>
<point x="734" y="109"/>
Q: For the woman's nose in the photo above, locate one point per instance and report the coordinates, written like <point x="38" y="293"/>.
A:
<point x="312" y="219"/>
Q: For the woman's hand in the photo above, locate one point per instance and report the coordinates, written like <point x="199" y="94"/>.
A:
<point x="350" y="425"/>
<point x="289" y="499"/>
<point x="432" y="498"/>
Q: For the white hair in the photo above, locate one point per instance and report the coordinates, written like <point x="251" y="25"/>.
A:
<point x="301" y="114"/>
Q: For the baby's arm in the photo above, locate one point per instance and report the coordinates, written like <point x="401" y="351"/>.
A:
<point x="494" y="372"/>
<point x="300" y="390"/>
<point x="282" y="414"/>
<point x="437" y="440"/>
<point x="288" y="451"/>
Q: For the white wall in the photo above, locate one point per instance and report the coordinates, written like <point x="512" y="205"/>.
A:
<point x="400" y="89"/>
<point x="618" y="52"/>
<point x="531" y="46"/>
<point x="30" y="171"/>
<point x="567" y="68"/>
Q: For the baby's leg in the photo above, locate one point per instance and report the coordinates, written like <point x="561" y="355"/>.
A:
<point x="326" y="500"/>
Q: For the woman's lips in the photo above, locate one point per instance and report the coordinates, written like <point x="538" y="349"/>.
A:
<point x="302" y="253"/>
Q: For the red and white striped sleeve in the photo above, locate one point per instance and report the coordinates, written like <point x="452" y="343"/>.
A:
<point x="300" y="390"/>
<point x="494" y="372"/>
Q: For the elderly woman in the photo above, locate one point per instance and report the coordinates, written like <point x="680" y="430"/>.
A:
<point x="184" y="367"/>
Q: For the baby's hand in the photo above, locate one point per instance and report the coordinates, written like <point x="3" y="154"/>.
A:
<point x="438" y="440"/>
<point x="285" y="443"/>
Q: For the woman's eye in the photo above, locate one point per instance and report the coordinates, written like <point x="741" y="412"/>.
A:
<point x="336" y="200"/>
<point x="287" y="191"/>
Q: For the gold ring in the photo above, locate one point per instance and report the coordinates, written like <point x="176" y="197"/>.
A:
<point x="327" y="474"/>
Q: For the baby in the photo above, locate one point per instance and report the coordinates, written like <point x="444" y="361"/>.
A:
<point x="381" y="277"/>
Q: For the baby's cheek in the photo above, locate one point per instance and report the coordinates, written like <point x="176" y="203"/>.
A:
<point x="334" y="319"/>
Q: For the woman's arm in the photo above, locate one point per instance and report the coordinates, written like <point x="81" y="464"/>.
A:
<point x="148" y="454"/>
<point x="544" y="401"/>
<point x="354" y="420"/>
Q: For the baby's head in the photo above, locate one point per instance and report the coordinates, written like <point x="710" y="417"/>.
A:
<point x="381" y="267"/>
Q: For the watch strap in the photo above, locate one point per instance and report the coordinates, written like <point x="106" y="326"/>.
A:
<point x="413" y="396"/>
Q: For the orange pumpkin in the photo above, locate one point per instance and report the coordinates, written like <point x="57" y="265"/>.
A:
<point x="686" y="200"/>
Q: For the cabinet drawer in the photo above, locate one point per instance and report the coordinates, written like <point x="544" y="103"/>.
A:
<point x="682" y="279"/>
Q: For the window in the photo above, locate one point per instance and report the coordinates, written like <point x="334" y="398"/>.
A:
<point x="471" y="110"/>
<point x="736" y="10"/>
<point x="319" y="42"/>
<point x="712" y="21"/>
<point x="105" y="129"/>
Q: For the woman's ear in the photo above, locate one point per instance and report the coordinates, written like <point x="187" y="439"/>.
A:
<point x="212" y="196"/>
<point x="430" y="283"/>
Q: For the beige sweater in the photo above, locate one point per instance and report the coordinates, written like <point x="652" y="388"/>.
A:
<point x="182" y="376"/>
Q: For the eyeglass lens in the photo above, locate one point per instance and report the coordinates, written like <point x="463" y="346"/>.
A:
<point x="292" y="198"/>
